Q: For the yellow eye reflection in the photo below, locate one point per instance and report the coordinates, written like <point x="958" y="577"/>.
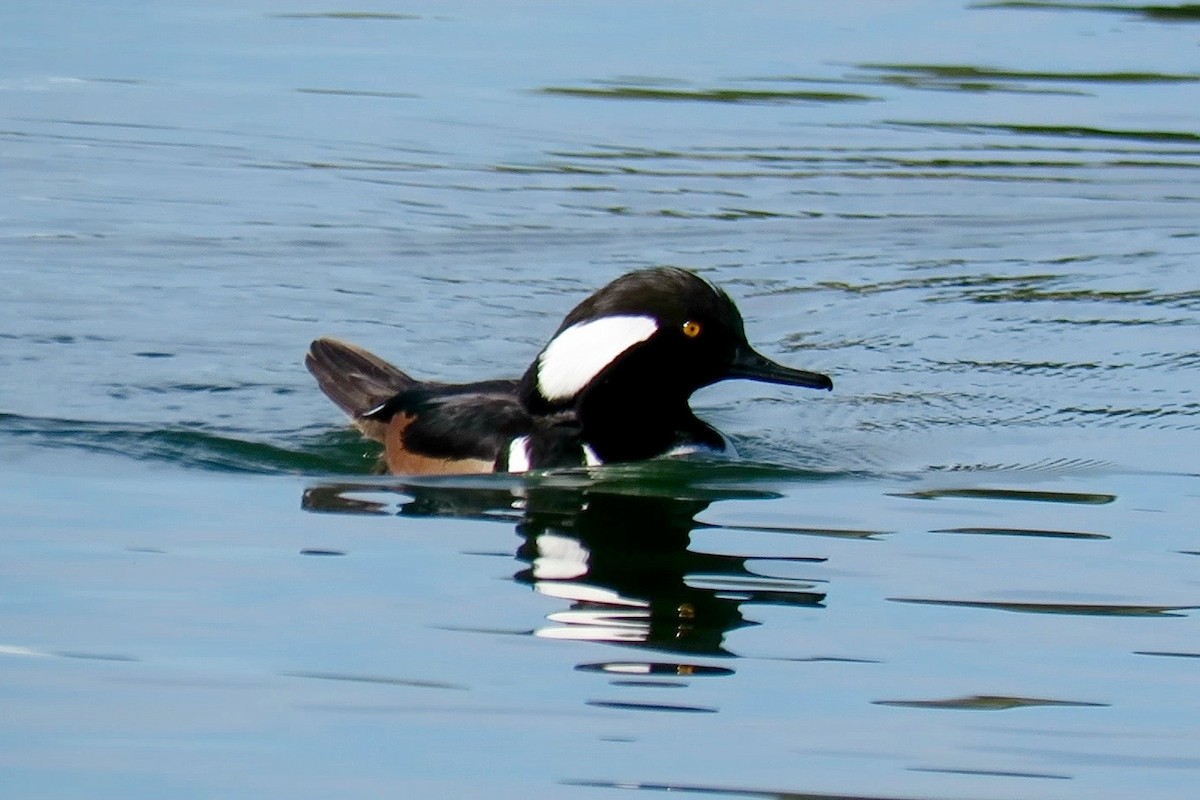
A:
<point x="691" y="329"/>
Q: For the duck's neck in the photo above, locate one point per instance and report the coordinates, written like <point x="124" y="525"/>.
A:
<point x="619" y="426"/>
<point x="631" y="411"/>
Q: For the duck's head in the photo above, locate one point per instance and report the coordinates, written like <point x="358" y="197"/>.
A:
<point x="656" y="334"/>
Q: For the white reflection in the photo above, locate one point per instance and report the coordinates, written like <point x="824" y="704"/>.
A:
<point x="560" y="558"/>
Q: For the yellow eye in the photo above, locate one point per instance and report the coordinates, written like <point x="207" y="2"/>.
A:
<point x="691" y="329"/>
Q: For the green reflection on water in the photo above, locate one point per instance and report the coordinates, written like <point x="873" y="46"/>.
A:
<point x="1082" y="498"/>
<point x="1071" y="131"/>
<point x="963" y="71"/>
<point x="987" y="703"/>
<point x="1185" y="12"/>
<point x="1080" y="609"/>
<point x="705" y="95"/>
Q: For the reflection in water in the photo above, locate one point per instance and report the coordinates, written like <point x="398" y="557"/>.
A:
<point x="1161" y="12"/>
<point x="732" y="791"/>
<point x="989" y="703"/>
<point x="1079" y="498"/>
<point x="1078" y="609"/>
<point x="619" y="557"/>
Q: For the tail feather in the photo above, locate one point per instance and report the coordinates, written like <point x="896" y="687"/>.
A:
<point x="356" y="380"/>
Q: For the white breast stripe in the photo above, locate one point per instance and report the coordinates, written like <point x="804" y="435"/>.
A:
<point x="581" y="352"/>
<point x="518" y="454"/>
<point x="589" y="456"/>
<point x="727" y="450"/>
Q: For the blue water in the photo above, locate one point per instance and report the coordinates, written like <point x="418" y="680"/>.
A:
<point x="969" y="572"/>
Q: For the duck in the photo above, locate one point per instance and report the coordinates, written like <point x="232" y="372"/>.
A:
<point x="612" y="385"/>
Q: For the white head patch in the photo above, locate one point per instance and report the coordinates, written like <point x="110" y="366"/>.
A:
<point x="582" y="351"/>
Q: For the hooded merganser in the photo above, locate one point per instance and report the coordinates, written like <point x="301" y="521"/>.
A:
<point x="612" y="385"/>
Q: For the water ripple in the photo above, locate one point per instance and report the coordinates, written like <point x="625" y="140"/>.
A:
<point x="989" y="703"/>
<point x="1075" y="609"/>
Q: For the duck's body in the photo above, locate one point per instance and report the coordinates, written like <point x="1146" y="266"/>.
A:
<point x="611" y="386"/>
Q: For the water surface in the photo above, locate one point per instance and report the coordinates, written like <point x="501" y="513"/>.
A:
<point x="969" y="572"/>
